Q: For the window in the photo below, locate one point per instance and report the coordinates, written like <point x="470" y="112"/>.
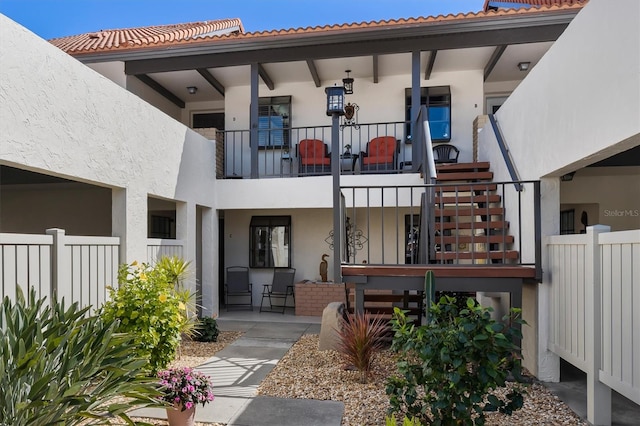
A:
<point x="207" y="120"/>
<point x="270" y="245"/>
<point x="273" y="122"/>
<point x="567" y="222"/>
<point x="438" y="102"/>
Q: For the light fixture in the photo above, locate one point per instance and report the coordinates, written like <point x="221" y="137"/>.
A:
<point x="568" y="177"/>
<point x="192" y="90"/>
<point x="335" y="100"/>
<point x="348" y="84"/>
<point x="523" y="66"/>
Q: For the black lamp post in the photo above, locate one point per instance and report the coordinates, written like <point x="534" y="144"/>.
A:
<point x="335" y="108"/>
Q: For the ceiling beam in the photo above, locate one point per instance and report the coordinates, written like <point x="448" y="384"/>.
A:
<point x="432" y="61"/>
<point x="497" y="53"/>
<point x="160" y="89"/>
<point x="376" y="70"/>
<point x="333" y="50"/>
<point x="212" y="80"/>
<point x="265" y="77"/>
<point x="314" y="72"/>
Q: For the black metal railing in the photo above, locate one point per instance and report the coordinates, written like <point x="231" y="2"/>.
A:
<point x="471" y="226"/>
<point x="289" y="152"/>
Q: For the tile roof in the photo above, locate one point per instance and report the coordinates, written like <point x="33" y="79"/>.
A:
<point x="105" y="40"/>
<point x="533" y="3"/>
<point x="208" y="31"/>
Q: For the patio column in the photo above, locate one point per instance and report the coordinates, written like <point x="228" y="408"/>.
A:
<point x="186" y="231"/>
<point x="129" y="222"/>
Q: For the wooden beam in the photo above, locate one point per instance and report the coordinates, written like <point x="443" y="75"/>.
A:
<point x="432" y="61"/>
<point x="160" y="89"/>
<point x="376" y="71"/>
<point x="494" y="60"/>
<point x="314" y="72"/>
<point x="265" y="77"/>
<point x="212" y="80"/>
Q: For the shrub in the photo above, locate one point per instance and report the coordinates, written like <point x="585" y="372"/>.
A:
<point x="391" y="421"/>
<point x="62" y="366"/>
<point x="360" y="337"/>
<point x="146" y="306"/>
<point x="449" y="366"/>
<point x="178" y="273"/>
<point x="206" y="330"/>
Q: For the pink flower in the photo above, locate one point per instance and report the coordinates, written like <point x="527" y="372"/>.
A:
<point x="188" y="404"/>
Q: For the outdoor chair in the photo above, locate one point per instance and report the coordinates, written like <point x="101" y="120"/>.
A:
<point x="313" y="157"/>
<point x="280" y="290"/>
<point x="380" y="155"/>
<point x="238" y="286"/>
<point x="445" y="153"/>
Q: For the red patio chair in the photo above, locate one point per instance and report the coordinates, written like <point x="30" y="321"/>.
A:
<point x="313" y="157"/>
<point x="380" y="155"/>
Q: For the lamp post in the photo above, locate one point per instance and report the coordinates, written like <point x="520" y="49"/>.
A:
<point x="335" y="108"/>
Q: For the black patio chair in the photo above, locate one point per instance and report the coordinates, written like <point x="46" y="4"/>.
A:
<point x="280" y="289"/>
<point x="238" y="286"/>
<point x="445" y="153"/>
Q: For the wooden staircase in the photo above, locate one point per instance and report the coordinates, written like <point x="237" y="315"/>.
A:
<point x="469" y="217"/>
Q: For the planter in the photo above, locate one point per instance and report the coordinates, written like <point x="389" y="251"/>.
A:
<point x="175" y="417"/>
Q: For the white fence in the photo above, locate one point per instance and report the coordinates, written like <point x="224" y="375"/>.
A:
<point x="75" y="268"/>
<point x="595" y="279"/>
<point x="156" y="248"/>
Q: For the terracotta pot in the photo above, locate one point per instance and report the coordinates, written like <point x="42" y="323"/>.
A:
<point x="176" y="417"/>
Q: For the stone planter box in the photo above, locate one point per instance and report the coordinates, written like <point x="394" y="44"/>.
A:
<point x="312" y="297"/>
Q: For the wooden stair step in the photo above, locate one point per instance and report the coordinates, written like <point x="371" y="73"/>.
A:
<point x="469" y="239"/>
<point x="476" y="255"/>
<point x="478" y="225"/>
<point x="468" y="199"/>
<point x="476" y="211"/>
<point x="466" y="187"/>
<point x="465" y="176"/>
<point x="471" y="167"/>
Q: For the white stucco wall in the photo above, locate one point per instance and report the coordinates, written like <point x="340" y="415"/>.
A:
<point x="581" y="102"/>
<point x="578" y="105"/>
<point x="61" y="118"/>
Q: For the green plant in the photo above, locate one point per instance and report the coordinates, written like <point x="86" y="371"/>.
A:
<point x="178" y="272"/>
<point x="146" y="305"/>
<point x="391" y="421"/>
<point x="449" y="366"/>
<point x="206" y="330"/>
<point x="184" y="387"/>
<point x="360" y="337"/>
<point x="62" y="366"/>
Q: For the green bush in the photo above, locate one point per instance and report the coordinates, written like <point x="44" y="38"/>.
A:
<point x="449" y="366"/>
<point x="146" y="306"/>
<point x="360" y="337"/>
<point x="206" y="330"/>
<point x="178" y="272"/>
<point x="391" y="421"/>
<point x="62" y="366"/>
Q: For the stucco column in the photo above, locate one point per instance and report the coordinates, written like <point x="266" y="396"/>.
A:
<point x="129" y="222"/>
<point x="548" y="367"/>
<point x="186" y="231"/>
<point x="208" y="261"/>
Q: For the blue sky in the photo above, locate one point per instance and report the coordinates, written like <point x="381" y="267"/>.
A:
<point x="58" y="18"/>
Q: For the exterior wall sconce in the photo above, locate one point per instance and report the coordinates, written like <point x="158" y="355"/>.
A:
<point x="348" y="84"/>
<point x="523" y="66"/>
<point x="192" y="90"/>
<point x="568" y="177"/>
<point x="335" y="100"/>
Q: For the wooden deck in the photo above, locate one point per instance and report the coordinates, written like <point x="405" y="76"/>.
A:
<point x="440" y="271"/>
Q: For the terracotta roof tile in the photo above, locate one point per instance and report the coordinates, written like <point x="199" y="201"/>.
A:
<point x="206" y="32"/>
<point x="106" y="40"/>
<point x="534" y="3"/>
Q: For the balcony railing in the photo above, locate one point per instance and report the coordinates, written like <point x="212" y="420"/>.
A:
<point x="281" y="154"/>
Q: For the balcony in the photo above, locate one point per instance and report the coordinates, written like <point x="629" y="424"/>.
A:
<point x="282" y="152"/>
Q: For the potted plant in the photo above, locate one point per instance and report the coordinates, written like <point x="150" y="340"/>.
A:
<point x="184" y="388"/>
<point x="347" y="150"/>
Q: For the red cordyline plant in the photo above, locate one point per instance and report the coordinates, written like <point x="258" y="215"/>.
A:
<point x="361" y="336"/>
<point x="185" y="387"/>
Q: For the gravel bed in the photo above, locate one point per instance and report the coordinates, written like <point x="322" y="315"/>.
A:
<point x="305" y="372"/>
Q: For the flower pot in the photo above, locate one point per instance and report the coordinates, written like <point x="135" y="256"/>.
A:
<point x="176" y="417"/>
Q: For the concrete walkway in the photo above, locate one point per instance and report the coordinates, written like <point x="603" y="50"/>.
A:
<point x="238" y="369"/>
